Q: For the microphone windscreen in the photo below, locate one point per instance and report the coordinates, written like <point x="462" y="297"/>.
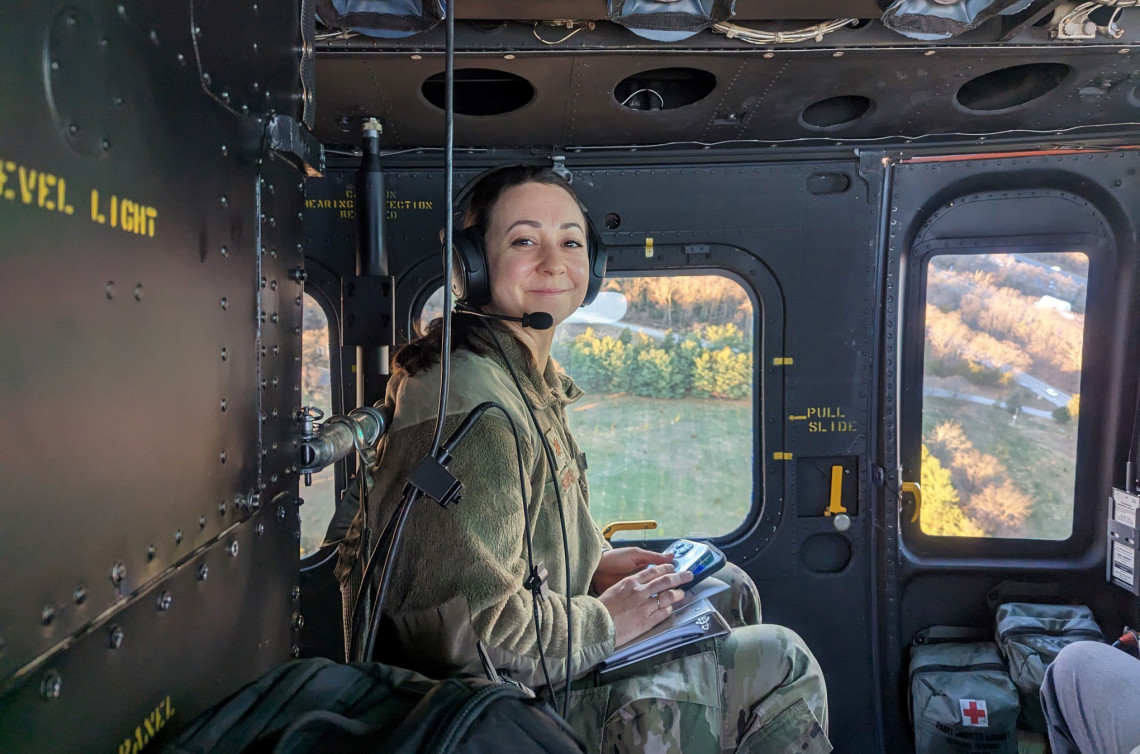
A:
<point x="538" y="321"/>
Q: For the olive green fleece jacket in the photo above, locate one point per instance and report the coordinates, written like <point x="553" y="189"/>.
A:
<point x="459" y="572"/>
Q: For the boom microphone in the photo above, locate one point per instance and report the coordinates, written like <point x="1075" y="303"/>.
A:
<point x="534" y="320"/>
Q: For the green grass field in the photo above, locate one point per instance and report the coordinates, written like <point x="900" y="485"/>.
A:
<point x="1039" y="456"/>
<point x="686" y="463"/>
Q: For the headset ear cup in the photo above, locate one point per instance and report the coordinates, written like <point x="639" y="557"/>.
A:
<point x="599" y="259"/>
<point x="469" y="280"/>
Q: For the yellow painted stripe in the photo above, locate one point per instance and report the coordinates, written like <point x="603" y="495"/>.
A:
<point x="783" y="361"/>
<point x="782" y="456"/>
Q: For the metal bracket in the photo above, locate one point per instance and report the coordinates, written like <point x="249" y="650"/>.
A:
<point x="296" y="142"/>
<point x="368" y="310"/>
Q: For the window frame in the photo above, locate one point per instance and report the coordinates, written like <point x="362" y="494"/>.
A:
<point x="761" y="522"/>
<point x="318" y="283"/>
<point x="1098" y="309"/>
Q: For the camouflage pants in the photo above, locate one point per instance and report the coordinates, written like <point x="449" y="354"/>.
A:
<point x="757" y="690"/>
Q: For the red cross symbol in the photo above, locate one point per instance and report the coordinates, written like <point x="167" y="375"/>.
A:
<point x="974" y="713"/>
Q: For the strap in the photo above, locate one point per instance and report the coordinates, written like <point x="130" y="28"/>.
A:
<point x="296" y="738"/>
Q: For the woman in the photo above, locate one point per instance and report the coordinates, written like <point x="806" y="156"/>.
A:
<point x="459" y="576"/>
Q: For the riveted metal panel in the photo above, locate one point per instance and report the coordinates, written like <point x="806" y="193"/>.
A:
<point x="130" y="210"/>
<point x="910" y="91"/>
<point x="144" y="671"/>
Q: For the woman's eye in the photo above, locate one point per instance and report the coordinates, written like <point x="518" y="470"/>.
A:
<point x="574" y="243"/>
<point x="522" y="242"/>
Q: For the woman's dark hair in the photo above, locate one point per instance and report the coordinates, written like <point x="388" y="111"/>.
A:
<point x="423" y="352"/>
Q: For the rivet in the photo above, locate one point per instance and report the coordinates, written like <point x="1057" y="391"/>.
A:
<point x="197" y="30"/>
<point x="281" y="513"/>
<point x="203" y="572"/>
<point x="106" y="145"/>
<point x="51" y="685"/>
<point x="153" y="36"/>
<point x="298" y="621"/>
<point x="273" y="479"/>
<point x="122" y="9"/>
<point x="298" y="301"/>
<point x="224" y="303"/>
<point x="225" y="96"/>
<point x="47" y="615"/>
<point x="164" y="601"/>
<point x="115" y="638"/>
<point x="202" y="521"/>
<point x="222" y="456"/>
<point x="177" y="536"/>
<point x="110" y="289"/>
<point x="138" y="292"/>
<point x="73" y="129"/>
<point x="275" y="381"/>
<point x="233" y="549"/>
<point x="80" y="595"/>
<point x="276" y="350"/>
<point x="118" y="573"/>
<point x="928" y="53"/>
<point x="180" y="58"/>
<point x="206" y="79"/>
<point x="296" y="593"/>
<point x="837" y="54"/>
<point x="118" y="101"/>
<point x="222" y="508"/>
<point x="769" y="55"/>
<point x="417" y="57"/>
<point x="223" y="405"/>
<point x="150" y="552"/>
<point x="225" y="355"/>
<point x="55" y="65"/>
<point x="224" y="200"/>
<point x="508" y="57"/>
<point x="273" y="285"/>
<point x="260" y="528"/>
<point x="225" y="252"/>
<point x="296" y="651"/>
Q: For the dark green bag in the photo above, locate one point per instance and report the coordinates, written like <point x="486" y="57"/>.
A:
<point x="319" y="705"/>
<point x="1030" y="636"/>
<point x="962" y="700"/>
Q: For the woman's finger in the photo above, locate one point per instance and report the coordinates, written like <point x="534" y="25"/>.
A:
<point x="653" y="572"/>
<point x="668" y="581"/>
<point x="648" y="557"/>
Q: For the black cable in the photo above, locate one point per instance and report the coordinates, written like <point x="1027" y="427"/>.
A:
<point x="529" y="547"/>
<point x="449" y="221"/>
<point x="401" y="517"/>
<point x="553" y="466"/>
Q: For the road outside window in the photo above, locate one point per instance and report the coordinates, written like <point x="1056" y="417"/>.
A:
<point x="1001" y="394"/>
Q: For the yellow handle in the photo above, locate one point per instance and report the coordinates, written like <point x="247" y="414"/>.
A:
<point x="914" y="489"/>
<point x="616" y="526"/>
<point x="835" y="506"/>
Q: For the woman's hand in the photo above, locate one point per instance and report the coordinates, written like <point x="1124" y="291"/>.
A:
<point x="616" y="564"/>
<point x="639" y="602"/>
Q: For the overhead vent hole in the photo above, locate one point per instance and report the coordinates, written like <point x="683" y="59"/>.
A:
<point x="835" y="111"/>
<point x="481" y="91"/>
<point x="664" y="88"/>
<point x="1011" y="87"/>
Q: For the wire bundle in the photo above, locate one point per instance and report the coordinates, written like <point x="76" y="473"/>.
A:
<point x="806" y="34"/>
<point x="1079" y="16"/>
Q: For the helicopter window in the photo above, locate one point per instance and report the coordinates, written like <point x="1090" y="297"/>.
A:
<point x="320" y="498"/>
<point x="667" y="420"/>
<point x="1001" y="394"/>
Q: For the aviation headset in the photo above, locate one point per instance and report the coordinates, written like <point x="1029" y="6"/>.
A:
<point x="470" y="282"/>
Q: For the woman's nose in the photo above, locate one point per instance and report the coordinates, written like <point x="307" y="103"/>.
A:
<point x="550" y="260"/>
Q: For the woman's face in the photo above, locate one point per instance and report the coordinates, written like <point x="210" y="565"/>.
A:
<point x="536" y="252"/>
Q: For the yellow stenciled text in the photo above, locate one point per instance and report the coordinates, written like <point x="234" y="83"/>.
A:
<point x="35" y="188"/>
<point x="120" y="212"/>
<point x="155" y="721"/>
